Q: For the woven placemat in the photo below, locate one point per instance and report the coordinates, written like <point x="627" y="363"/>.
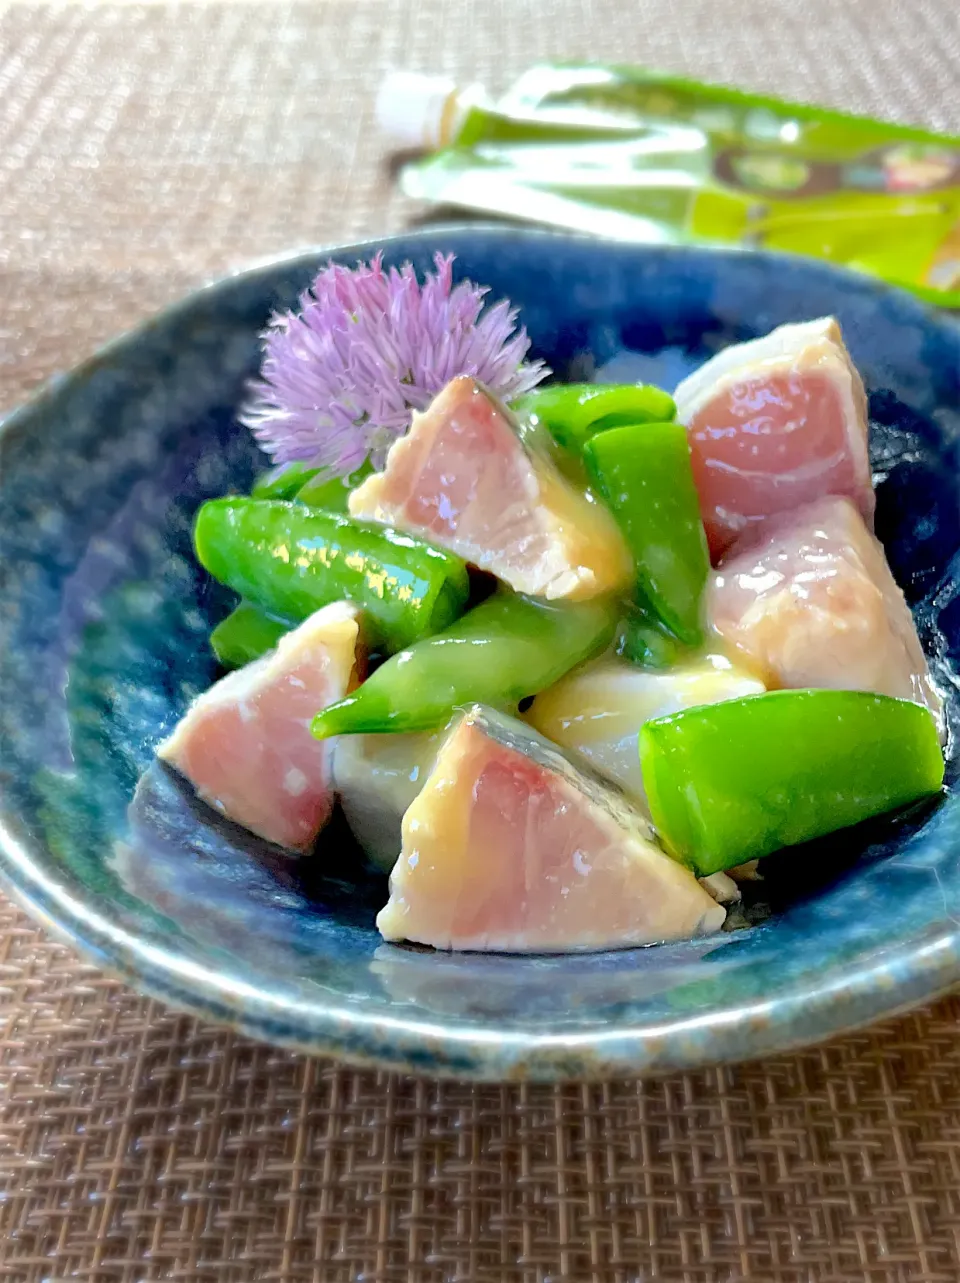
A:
<point x="142" y="150"/>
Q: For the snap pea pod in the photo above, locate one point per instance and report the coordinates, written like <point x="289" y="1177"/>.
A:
<point x="506" y="648"/>
<point x="644" y="475"/>
<point x="574" y="412"/>
<point x="306" y="484"/>
<point x="331" y="493"/>
<point x="643" y="641"/>
<point x="734" y="781"/>
<point x="282" y="482"/>
<point x="291" y="560"/>
<point x="247" y="633"/>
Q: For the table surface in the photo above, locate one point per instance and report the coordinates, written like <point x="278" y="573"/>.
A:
<point x="144" y="149"/>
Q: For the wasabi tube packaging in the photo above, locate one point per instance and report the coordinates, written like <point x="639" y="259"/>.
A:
<point x="634" y="155"/>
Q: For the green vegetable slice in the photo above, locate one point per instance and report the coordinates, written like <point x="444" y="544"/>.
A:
<point x="282" y="482"/>
<point x="290" y="560"/>
<point x="506" y="648"/>
<point x="735" y="781"/>
<point x="574" y="412"/>
<point x="247" y="633"/>
<point x="643" y="473"/>
<point x="331" y="493"/>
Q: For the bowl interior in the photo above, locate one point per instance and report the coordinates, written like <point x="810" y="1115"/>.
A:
<point x="105" y="615"/>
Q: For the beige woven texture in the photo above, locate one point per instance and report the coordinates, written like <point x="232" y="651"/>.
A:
<point x="142" y="150"/>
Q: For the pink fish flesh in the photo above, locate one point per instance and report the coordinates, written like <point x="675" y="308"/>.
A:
<point x="510" y="847"/>
<point x="811" y="602"/>
<point x="774" y="424"/>
<point x="246" y="745"/>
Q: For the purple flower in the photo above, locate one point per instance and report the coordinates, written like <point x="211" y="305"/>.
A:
<point x="341" y="378"/>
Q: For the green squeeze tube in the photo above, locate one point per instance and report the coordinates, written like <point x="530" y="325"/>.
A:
<point x="625" y="152"/>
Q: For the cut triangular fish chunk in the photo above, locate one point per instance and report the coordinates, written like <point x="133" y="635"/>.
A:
<point x="510" y="847"/>
<point x="811" y="602"/>
<point x="773" y="424"/>
<point x="464" y="480"/>
<point x="245" y="745"/>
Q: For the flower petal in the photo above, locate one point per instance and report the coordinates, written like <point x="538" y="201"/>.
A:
<point x="341" y="376"/>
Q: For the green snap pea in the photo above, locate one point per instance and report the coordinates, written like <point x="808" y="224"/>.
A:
<point x="506" y="648"/>
<point x="331" y="493"/>
<point x="290" y="560"/>
<point x="574" y="412"/>
<point x="731" y="782"/>
<point x="643" y="641"/>
<point x="247" y="633"/>
<point x="282" y="482"/>
<point x="644" y="475"/>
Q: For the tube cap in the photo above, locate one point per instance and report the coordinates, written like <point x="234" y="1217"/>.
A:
<point x="410" y="107"/>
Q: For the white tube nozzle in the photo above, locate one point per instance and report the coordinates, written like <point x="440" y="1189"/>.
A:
<point x="413" y="108"/>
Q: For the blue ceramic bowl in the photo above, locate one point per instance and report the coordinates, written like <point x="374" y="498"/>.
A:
<point x="105" y="615"/>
